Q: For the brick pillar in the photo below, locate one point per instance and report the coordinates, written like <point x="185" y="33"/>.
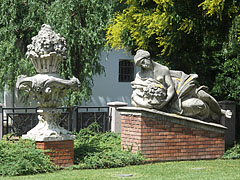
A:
<point x="61" y="152"/>
<point x="162" y="136"/>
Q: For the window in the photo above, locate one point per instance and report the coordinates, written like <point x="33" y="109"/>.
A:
<point x="126" y="71"/>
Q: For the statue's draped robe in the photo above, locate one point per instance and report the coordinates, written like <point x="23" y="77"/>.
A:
<point x="185" y="89"/>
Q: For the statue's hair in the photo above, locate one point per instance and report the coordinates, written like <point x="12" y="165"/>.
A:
<point x="140" y="54"/>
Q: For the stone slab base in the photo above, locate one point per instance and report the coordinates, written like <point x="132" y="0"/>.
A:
<point x="162" y="136"/>
<point x="61" y="152"/>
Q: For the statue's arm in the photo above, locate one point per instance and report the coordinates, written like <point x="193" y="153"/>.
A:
<point x="137" y="85"/>
<point x="170" y="89"/>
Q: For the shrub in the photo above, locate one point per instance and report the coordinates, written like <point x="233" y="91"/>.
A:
<point x="233" y="153"/>
<point x="94" y="149"/>
<point x="22" y="158"/>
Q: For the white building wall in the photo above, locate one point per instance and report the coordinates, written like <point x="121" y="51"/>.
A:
<point x="106" y="87"/>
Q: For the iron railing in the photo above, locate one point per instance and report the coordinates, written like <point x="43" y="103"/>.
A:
<point x="19" y="120"/>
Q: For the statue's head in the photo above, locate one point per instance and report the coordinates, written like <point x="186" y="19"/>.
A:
<point x="142" y="59"/>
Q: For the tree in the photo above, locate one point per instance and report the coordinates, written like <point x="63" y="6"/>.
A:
<point x="81" y="22"/>
<point x="227" y="83"/>
<point x="184" y="34"/>
<point x="20" y="20"/>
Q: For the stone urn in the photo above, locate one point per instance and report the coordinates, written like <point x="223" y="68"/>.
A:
<point x="46" y="52"/>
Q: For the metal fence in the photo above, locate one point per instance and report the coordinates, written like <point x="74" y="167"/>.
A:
<point x="20" y="120"/>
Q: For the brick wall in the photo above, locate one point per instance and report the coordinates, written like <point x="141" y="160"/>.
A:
<point x="164" y="137"/>
<point x="61" y="152"/>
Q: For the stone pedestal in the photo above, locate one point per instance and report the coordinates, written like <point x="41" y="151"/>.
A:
<point x="161" y="136"/>
<point x="115" y="115"/>
<point x="61" y="152"/>
<point x="49" y="136"/>
<point x="229" y="123"/>
<point x="48" y="128"/>
<point x="46" y="51"/>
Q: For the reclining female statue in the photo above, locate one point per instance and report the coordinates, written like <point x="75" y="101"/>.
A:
<point x="157" y="87"/>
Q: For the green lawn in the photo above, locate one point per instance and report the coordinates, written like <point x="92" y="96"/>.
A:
<point x="183" y="170"/>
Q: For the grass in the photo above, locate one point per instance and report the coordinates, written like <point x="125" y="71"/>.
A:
<point x="182" y="170"/>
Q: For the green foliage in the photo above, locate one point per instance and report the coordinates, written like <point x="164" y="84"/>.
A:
<point x="139" y="22"/>
<point x="189" y="35"/>
<point x="19" y="21"/>
<point x="175" y="170"/>
<point x="110" y="159"/>
<point x="93" y="149"/>
<point x="81" y="22"/>
<point x="226" y="85"/>
<point x="22" y="158"/>
<point x="233" y="153"/>
<point x="216" y="7"/>
<point x="165" y="22"/>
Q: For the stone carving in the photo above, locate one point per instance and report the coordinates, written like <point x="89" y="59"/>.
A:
<point x="46" y="52"/>
<point x="157" y="87"/>
<point x="47" y="89"/>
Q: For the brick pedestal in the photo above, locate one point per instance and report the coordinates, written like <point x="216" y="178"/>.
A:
<point x="61" y="152"/>
<point x="162" y="136"/>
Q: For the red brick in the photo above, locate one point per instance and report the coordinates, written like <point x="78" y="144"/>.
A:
<point x="161" y="140"/>
<point x="61" y="152"/>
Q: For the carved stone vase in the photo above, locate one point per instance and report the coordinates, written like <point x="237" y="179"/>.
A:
<point x="46" y="52"/>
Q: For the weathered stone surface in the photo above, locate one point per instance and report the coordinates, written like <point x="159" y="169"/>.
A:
<point x="47" y="89"/>
<point x="157" y="87"/>
<point x="115" y="115"/>
<point x="46" y="52"/>
<point x="48" y="128"/>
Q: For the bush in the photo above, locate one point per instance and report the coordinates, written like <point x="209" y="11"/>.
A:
<point x="233" y="153"/>
<point x="94" y="149"/>
<point x="22" y="158"/>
